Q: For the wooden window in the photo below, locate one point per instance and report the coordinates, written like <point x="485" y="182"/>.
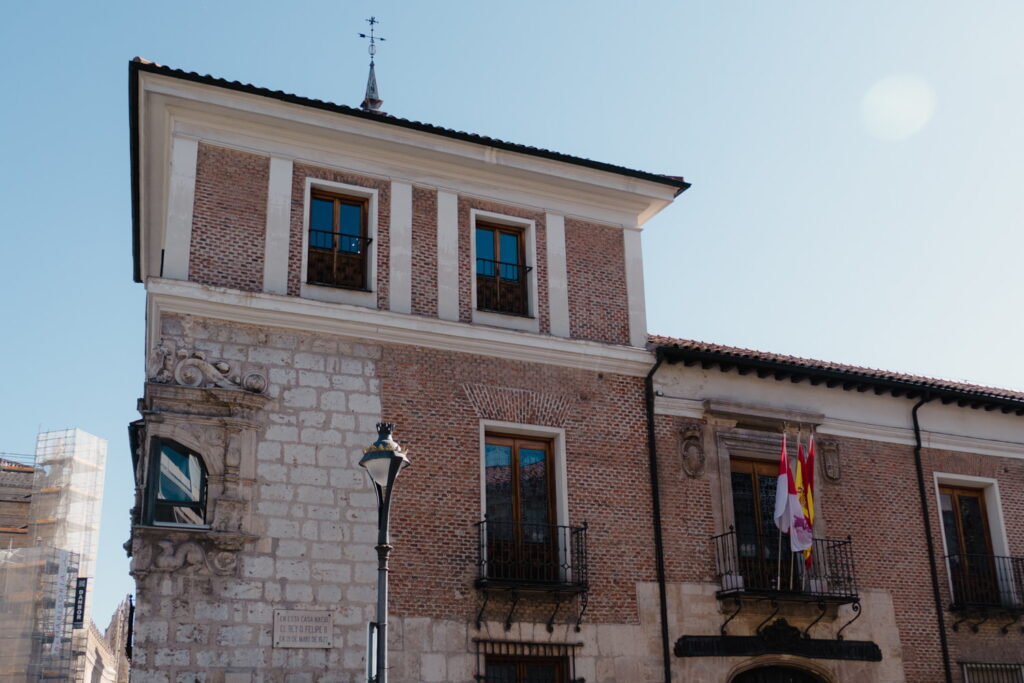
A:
<point x="763" y="555"/>
<point x="338" y="242"/>
<point x="522" y="535"/>
<point x="176" y="487"/>
<point x="526" y="669"/>
<point x="969" y="544"/>
<point x="501" y="269"/>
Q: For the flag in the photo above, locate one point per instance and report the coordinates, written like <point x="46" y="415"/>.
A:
<point x="789" y="517"/>
<point x="805" y="491"/>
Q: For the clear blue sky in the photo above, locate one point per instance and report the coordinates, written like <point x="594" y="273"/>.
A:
<point x="855" y="170"/>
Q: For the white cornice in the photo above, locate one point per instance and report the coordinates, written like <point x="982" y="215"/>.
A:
<point x="271" y="310"/>
<point x="696" y="408"/>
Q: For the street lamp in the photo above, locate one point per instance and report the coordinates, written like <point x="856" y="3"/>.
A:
<point x="383" y="460"/>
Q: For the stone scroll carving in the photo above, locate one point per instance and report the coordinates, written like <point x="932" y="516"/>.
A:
<point x="183" y="557"/>
<point x="691" y="448"/>
<point x="168" y="365"/>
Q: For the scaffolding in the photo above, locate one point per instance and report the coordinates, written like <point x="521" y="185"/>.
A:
<point x="67" y="495"/>
<point x="37" y="599"/>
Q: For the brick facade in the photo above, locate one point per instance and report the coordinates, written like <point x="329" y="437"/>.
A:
<point x="424" y="251"/>
<point x="596" y="265"/>
<point x="229" y="218"/>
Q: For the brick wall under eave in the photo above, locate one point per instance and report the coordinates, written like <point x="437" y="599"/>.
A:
<point x="229" y="219"/>
<point x="381" y="243"/>
<point x="424" y="251"/>
<point x="438" y="499"/>
<point x="467" y="269"/>
<point x="596" y="265"/>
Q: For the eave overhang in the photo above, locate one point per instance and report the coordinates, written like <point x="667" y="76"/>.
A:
<point x="848" y="379"/>
<point x="137" y="68"/>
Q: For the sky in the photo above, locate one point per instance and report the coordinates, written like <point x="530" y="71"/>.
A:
<point x="855" y="171"/>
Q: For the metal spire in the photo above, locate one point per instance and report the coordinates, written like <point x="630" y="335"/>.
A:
<point x="372" y="101"/>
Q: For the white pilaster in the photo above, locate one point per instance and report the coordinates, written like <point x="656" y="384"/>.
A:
<point x="447" y="256"/>
<point x="635" y="288"/>
<point x="279" y="205"/>
<point x="180" y="200"/>
<point x="558" y="278"/>
<point x="400" y="296"/>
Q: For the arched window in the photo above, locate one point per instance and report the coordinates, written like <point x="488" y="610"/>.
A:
<point x="776" y="674"/>
<point x="176" y="488"/>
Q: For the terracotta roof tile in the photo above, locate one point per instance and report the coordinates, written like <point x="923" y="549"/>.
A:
<point x="737" y="354"/>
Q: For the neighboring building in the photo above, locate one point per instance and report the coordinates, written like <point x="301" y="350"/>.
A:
<point x="105" y="657"/>
<point x="50" y="529"/>
<point x="312" y="269"/>
<point x="15" y="496"/>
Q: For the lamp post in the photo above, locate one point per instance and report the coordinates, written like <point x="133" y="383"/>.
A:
<point x="383" y="460"/>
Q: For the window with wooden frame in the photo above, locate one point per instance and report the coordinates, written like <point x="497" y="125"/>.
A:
<point x="176" y="485"/>
<point x="972" y="566"/>
<point x="762" y="555"/>
<point x="338" y="241"/>
<point x="526" y="669"/>
<point x="521" y="522"/>
<point x="501" y="270"/>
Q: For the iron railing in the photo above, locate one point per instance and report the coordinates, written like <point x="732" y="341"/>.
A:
<point x="337" y="260"/>
<point x="521" y="555"/>
<point x="761" y="564"/>
<point x="501" y="286"/>
<point x="976" y="672"/>
<point x="986" y="581"/>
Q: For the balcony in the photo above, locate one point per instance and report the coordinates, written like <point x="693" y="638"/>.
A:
<point x="540" y="557"/>
<point x="501" y="287"/>
<point x="751" y="565"/>
<point x="986" y="584"/>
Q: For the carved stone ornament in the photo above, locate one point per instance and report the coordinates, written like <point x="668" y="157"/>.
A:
<point x="830" y="458"/>
<point x="198" y="557"/>
<point x="691" y="447"/>
<point x="780" y="635"/>
<point x="168" y="365"/>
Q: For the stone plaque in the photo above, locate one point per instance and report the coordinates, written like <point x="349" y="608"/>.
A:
<point x="303" y="628"/>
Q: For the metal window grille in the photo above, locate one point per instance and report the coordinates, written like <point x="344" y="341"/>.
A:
<point x="502" y="652"/>
<point x="976" y="672"/>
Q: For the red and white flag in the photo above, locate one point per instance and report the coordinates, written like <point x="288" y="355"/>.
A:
<point x="789" y="515"/>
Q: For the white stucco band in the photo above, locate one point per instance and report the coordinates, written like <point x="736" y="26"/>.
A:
<point x="400" y="254"/>
<point x="180" y="200"/>
<point x="558" y="277"/>
<point x="279" y="208"/>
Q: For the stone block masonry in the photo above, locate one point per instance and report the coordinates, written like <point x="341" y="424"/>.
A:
<point x="313" y="513"/>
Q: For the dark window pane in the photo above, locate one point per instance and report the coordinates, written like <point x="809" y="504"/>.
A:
<point x="498" y="464"/>
<point x="973" y="524"/>
<point x="485" y="252"/>
<point x="181" y="476"/>
<point x="179" y="514"/>
<point x="533" y="478"/>
<point x="501" y="673"/>
<point x="509" y="248"/>
<point x="321" y="224"/>
<point x="351" y="219"/>
<point x="541" y="673"/>
<point x="949" y="524"/>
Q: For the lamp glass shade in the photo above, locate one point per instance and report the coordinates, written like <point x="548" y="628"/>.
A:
<point x="379" y="466"/>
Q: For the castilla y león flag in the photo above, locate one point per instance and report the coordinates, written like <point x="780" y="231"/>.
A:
<point x="789" y="516"/>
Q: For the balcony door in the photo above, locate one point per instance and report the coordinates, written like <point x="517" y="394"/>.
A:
<point x="969" y="544"/>
<point x="758" y="542"/>
<point x="520" y="524"/>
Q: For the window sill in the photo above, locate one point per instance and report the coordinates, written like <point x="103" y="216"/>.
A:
<point x="339" y="295"/>
<point x="509" y="321"/>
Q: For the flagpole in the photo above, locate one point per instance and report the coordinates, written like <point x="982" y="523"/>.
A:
<point x="778" y="573"/>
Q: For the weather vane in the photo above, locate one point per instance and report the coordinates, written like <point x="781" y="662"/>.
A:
<point x="372" y="21"/>
<point x="372" y="101"/>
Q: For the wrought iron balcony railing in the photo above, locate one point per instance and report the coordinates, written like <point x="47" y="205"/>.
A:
<point x="501" y="287"/>
<point x="532" y="556"/>
<point x="762" y="565"/>
<point x="986" y="582"/>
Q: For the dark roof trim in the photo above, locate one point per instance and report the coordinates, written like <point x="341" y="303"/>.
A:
<point x="138" y="64"/>
<point x="847" y="379"/>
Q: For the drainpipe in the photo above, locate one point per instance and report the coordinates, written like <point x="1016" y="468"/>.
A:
<point x="659" y="548"/>
<point x="928" y="537"/>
